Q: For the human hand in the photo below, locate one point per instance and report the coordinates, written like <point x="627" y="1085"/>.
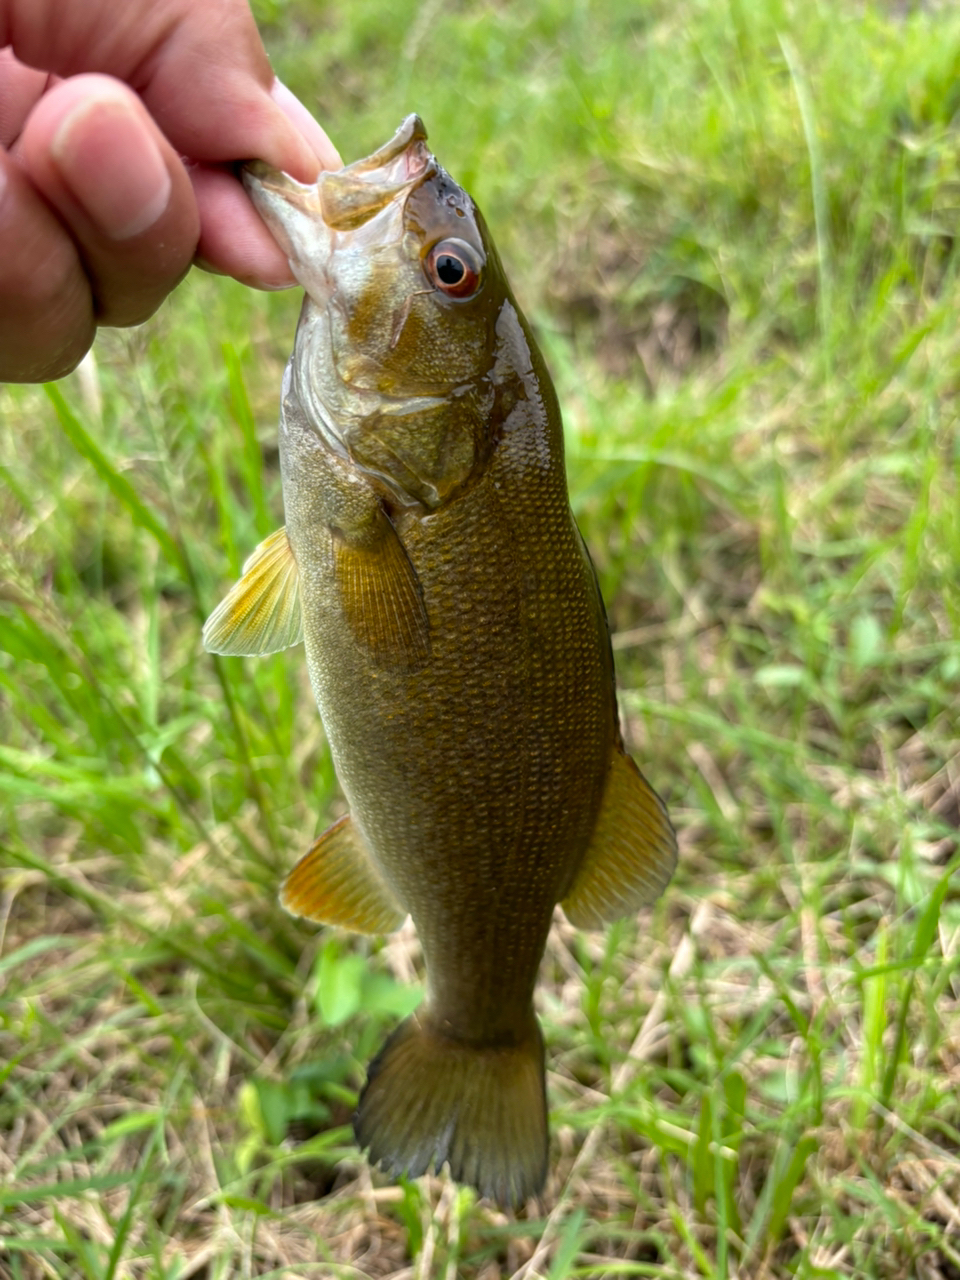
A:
<point x="115" y="178"/>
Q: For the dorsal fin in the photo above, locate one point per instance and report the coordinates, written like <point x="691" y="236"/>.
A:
<point x="260" y="613"/>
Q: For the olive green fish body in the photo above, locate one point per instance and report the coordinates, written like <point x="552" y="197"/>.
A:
<point x="476" y="780"/>
<point x="457" y="647"/>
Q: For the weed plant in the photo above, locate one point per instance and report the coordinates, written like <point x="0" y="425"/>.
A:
<point x="734" y="227"/>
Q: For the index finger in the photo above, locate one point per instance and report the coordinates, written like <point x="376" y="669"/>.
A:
<point x="200" y="68"/>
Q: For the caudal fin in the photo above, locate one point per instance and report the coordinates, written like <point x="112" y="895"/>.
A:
<point x="431" y="1099"/>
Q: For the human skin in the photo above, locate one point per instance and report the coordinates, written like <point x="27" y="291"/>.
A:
<point x="119" y="121"/>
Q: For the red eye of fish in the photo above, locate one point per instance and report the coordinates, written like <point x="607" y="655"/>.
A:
<point x="455" y="268"/>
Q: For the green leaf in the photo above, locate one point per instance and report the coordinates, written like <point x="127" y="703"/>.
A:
<point x="866" y="641"/>
<point x="36" y="947"/>
<point x="703" y="1167"/>
<point x="274" y="1108"/>
<point x="383" y="994"/>
<point x="568" y="1246"/>
<point x="339" y="984"/>
<point x="248" y="1204"/>
<point x="409" y="1209"/>
<point x="735" y="1095"/>
<point x="248" y="1104"/>
<point x="785" y="1186"/>
<point x="61" y="1190"/>
<point x="781" y="676"/>
<point x="125" y="1224"/>
<point x="134" y="1122"/>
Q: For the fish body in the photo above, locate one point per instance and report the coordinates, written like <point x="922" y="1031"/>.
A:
<point x="457" y="647"/>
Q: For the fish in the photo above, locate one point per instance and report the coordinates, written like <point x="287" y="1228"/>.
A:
<point x="457" y="647"/>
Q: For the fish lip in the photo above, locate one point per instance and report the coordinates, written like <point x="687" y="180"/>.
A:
<point x="352" y="196"/>
<point x="347" y="198"/>
<point x="412" y="130"/>
<point x="261" y="179"/>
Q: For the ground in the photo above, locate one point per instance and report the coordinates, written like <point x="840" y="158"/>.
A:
<point x="733" y="226"/>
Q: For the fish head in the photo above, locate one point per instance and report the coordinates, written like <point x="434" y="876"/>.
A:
<point x="396" y="359"/>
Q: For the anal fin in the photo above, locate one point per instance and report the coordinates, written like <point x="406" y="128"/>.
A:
<point x="336" y="882"/>
<point x="260" y="613"/>
<point x="632" y="854"/>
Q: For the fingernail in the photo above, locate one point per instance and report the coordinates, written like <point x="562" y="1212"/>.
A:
<point x="113" y="167"/>
<point x="306" y="125"/>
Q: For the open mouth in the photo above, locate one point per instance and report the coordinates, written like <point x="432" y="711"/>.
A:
<point x="347" y="198"/>
<point x="355" y="194"/>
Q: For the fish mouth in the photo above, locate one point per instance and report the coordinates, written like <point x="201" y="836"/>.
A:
<point x="346" y="198"/>
<point x="337" y="234"/>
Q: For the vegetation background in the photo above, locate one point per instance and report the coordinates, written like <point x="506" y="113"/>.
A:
<point x="734" y="225"/>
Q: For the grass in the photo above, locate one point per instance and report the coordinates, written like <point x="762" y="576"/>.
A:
<point x="734" y="228"/>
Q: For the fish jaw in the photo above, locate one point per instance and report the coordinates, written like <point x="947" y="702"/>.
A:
<point x="345" y="237"/>
<point x="310" y="221"/>
<point x="290" y="209"/>
<point x="351" y="196"/>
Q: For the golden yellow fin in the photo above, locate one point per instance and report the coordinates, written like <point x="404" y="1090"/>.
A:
<point x="430" y="1099"/>
<point x="632" y="853"/>
<point x="336" y="882"/>
<point x="260" y="613"/>
<point x="381" y="599"/>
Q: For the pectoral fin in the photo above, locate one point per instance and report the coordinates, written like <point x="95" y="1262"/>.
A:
<point x="631" y="856"/>
<point x="381" y="598"/>
<point x="260" y="613"/>
<point x="336" y="882"/>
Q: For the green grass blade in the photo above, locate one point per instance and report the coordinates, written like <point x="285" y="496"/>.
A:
<point x="118" y="485"/>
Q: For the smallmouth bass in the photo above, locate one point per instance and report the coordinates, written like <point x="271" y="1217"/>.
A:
<point x="457" y="647"/>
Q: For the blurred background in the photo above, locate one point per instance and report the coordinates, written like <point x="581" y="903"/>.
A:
<point x="733" y="227"/>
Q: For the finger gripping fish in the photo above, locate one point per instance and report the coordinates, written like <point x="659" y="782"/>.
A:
<point x="457" y="647"/>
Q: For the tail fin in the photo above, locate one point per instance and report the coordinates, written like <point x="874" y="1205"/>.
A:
<point x="430" y="1099"/>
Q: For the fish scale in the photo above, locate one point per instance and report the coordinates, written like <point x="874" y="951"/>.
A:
<point x="457" y="647"/>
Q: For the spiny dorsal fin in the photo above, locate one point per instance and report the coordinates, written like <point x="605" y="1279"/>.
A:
<point x="382" y="601"/>
<point x="631" y="856"/>
<point x="336" y="882"/>
<point x="260" y="613"/>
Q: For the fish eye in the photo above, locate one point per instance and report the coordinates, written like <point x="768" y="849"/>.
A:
<point x="455" y="268"/>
